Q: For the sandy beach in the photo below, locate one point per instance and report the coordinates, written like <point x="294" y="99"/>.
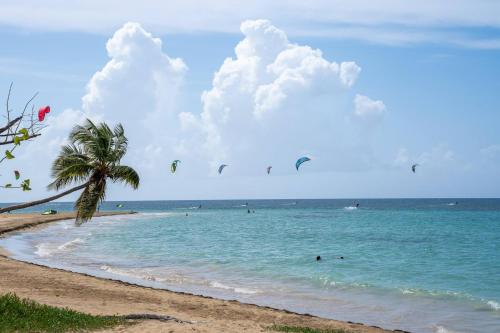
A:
<point x="101" y="296"/>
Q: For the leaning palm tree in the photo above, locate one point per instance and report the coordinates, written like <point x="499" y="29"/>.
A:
<point x="92" y="157"/>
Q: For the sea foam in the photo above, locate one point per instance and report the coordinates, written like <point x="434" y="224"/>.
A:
<point x="122" y="272"/>
<point x="441" y="329"/>
<point x="239" y="290"/>
<point x="48" y="249"/>
<point x="494" y="305"/>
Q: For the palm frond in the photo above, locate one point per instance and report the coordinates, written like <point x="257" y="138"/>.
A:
<point x="95" y="139"/>
<point x="124" y="174"/>
<point x="71" y="166"/>
<point x="74" y="174"/>
<point x="120" y="142"/>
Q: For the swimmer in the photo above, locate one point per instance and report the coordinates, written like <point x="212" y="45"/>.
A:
<point x="318" y="258"/>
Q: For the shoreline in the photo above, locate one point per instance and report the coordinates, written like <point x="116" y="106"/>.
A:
<point x="15" y="222"/>
<point x="96" y="295"/>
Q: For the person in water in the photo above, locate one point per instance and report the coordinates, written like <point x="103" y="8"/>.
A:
<point x="357" y="204"/>
<point x="318" y="258"/>
<point x="249" y="211"/>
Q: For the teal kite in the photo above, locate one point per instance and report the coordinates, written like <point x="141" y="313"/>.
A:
<point x="173" y="167"/>
<point x="300" y="161"/>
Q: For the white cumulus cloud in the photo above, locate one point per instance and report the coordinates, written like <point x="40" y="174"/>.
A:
<point x="139" y="87"/>
<point x="367" y="108"/>
<point x="274" y="101"/>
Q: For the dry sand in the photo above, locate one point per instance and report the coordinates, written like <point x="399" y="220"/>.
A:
<point x="101" y="296"/>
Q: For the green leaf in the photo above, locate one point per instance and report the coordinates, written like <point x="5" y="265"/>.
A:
<point x="17" y="174"/>
<point x="9" y="155"/>
<point x="25" y="133"/>
<point x="25" y="185"/>
<point x="8" y="185"/>
<point x="17" y="140"/>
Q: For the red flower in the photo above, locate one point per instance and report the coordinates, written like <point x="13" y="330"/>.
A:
<point x="42" y="112"/>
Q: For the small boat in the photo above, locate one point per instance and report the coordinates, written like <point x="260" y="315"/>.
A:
<point x="50" y="212"/>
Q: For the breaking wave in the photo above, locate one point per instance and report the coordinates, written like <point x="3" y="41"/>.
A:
<point x="239" y="290"/>
<point x="48" y="249"/>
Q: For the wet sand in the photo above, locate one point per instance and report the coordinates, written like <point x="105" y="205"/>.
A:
<point x="107" y="297"/>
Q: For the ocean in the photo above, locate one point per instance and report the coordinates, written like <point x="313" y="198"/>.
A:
<point x="422" y="265"/>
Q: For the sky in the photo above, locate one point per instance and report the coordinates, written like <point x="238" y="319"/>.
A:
<point x="364" y="89"/>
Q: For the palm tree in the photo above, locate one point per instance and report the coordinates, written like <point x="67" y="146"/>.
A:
<point x="92" y="157"/>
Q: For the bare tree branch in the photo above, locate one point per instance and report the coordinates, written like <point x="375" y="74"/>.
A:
<point x="25" y="120"/>
<point x="12" y="141"/>
<point x="20" y="127"/>
<point x="7" y="102"/>
<point x="9" y="125"/>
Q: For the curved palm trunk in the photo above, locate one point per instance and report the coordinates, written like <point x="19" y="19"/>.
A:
<point x="42" y="201"/>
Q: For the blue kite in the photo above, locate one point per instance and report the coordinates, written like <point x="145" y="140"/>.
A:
<point x="300" y="161"/>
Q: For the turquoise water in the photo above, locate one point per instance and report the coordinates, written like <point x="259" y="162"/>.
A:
<point x="419" y="265"/>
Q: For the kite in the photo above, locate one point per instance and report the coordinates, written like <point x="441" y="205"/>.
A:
<point x="300" y="161"/>
<point x="414" y="167"/>
<point x="17" y="174"/>
<point x="269" y="169"/>
<point x="43" y="112"/>
<point x="173" y="167"/>
<point x="222" y="168"/>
